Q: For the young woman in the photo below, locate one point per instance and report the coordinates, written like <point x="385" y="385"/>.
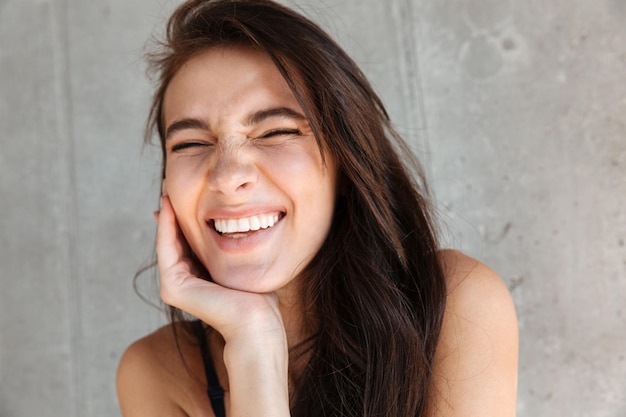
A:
<point x="298" y="243"/>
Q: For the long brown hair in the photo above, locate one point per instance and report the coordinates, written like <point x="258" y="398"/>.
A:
<point x="376" y="289"/>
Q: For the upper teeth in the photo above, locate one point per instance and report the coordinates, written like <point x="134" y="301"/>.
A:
<point x="246" y="224"/>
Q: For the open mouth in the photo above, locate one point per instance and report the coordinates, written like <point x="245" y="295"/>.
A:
<point x="238" y="228"/>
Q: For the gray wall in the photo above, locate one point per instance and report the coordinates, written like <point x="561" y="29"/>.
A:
<point x="517" y="109"/>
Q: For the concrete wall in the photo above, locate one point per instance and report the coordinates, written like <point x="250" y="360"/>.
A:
<point x="518" y="111"/>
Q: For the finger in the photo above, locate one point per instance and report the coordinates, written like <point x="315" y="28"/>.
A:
<point x="176" y="268"/>
<point x="155" y="214"/>
<point x="170" y="244"/>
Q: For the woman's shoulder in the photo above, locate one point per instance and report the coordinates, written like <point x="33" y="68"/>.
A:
<point x="158" y="375"/>
<point x="475" y="368"/>
<point x="469" y="280"/>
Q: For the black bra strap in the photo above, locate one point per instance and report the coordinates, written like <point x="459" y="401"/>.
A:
<point x="214" y="390"/>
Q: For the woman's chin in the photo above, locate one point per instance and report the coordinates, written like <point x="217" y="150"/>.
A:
<point x="249" y="282"/>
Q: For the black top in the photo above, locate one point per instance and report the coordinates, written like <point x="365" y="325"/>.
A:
<point x="214" y="390"/>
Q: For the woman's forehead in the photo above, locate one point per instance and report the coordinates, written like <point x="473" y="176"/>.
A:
<point x="227" y="80"/>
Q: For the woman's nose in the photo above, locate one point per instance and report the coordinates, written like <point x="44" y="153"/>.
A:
<point x="233" y="171"/>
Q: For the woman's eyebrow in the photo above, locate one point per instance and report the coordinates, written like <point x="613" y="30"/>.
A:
<point x="187" y="123"/>
<point x="259" y="116"/>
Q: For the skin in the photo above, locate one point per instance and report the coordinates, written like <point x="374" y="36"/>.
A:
<point x="237" y="145"/>
<point x="223" y="164"/>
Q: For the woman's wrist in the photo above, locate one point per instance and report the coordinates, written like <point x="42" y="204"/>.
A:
<point x="258" y="376"/>
<point x="260" y="348"/>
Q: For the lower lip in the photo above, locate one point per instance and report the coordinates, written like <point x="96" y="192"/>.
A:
<point x="245" y="243"/>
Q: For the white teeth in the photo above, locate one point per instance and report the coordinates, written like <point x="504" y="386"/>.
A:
<point x="243" y="224"/>
<point x="246" y="224"/>
<point x="231" y="226"/>
<point x="254" y="223"/>
<point x="265" y="222"/>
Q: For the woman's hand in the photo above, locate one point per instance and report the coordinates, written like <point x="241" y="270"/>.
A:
<point x="255" y="353"/>
<point x="231" y="312"/>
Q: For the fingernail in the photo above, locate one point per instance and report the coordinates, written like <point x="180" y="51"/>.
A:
<point x="155" y="214"/>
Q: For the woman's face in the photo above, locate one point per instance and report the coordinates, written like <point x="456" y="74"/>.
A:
<point x="244" y="173"/>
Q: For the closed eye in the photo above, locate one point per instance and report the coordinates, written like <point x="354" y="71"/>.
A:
<point x="280" y="132"/>
<point x="186" y="145"/>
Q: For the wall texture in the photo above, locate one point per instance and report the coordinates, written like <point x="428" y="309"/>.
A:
<point x="517" y="109"/>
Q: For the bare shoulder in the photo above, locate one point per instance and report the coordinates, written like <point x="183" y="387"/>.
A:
<point x="158" y="376"/>
<point x="475" y="369"/>
<point x="473" y="287"/>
